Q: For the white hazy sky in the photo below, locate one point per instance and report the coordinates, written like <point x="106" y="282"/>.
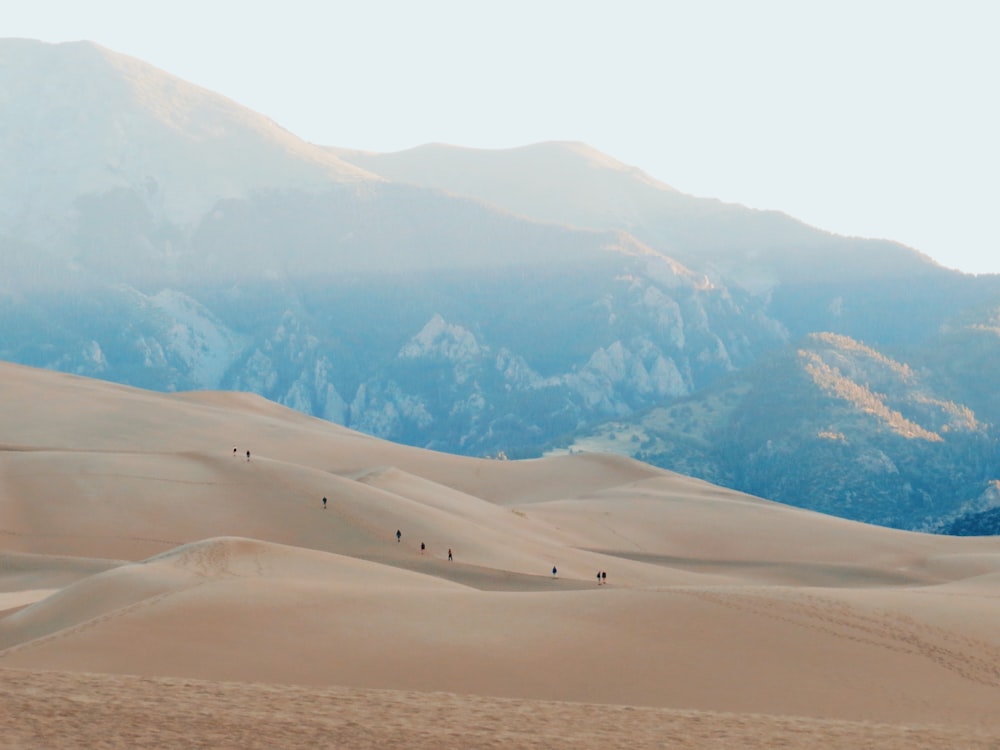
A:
<point x="876" y="118"/>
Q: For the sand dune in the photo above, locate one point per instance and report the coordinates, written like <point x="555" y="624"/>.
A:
<point x="134" y="542"/>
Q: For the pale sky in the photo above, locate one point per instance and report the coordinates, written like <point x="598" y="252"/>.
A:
<point x="866" y="118"/>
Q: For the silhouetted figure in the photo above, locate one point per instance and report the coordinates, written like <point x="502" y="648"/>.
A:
<point x="604" y="576"/>
<point x="554" y="571"/>
<point x="234" y="451"/>
<point x="248" y="456"/>
<point x="449" y="554"/>
<point x="324" y="503"/>
<point x="598" y="578"/>
<point x="422" y="548"/>
<point x="399" y="535"/>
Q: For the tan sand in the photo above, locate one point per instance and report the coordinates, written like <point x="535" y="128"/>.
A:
<point x="75" y="710"/>
<point x="133" y="542"/>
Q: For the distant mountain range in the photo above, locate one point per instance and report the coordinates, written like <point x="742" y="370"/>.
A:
<point x="519" y="301"/>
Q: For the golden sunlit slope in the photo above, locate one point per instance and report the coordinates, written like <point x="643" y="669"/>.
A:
<point x="134" y="541"/>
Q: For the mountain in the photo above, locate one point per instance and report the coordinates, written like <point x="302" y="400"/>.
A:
<point x="808" y="279"/>
<point x="573" y="184"/>
<point x="479" y="302"/>
<point x="977" y="522"/>
<point x="831" y="424"/>
<point x="80" y="120"/>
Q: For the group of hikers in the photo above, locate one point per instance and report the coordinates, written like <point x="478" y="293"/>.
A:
<point x="423" y="547"/>
<point x="602" y="575"/>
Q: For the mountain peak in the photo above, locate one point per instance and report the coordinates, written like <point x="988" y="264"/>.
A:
<point x="83" y="119"/>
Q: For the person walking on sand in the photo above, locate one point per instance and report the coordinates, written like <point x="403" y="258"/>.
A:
<point x="324" y="503"/>
<point x="554" y="571"/>
<point x="604" y="576"/>
<point x="399" y="535"/>
<point x="598" y="578"/>
<point x="449" y="554"/>
<point x="234" y="451"/>
<point x="248" y="456"/>
<point x="422" y="548"/>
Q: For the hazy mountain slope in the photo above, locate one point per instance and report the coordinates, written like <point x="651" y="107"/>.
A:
<point x="807" y="279"/>
<point x="313" y="298"/>
<point x="567" y="183"/>
<point x="80" y="120"/>
<point x="574" y="184"/>
<point x="963" y="358"/>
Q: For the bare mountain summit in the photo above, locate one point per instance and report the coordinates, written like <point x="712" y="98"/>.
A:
<point x="80" y="119"/>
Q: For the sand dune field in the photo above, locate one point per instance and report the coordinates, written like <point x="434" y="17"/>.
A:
<point x="158" y="589"/>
